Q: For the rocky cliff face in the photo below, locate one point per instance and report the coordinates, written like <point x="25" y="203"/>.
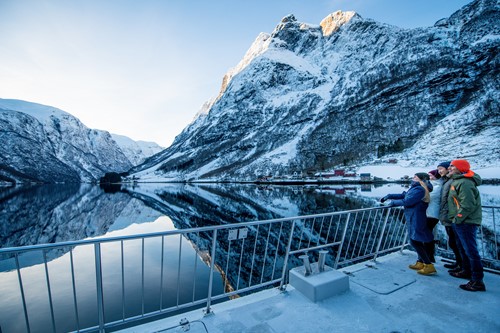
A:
<point x="349" y="90"/>
<point x="44" y="144"/>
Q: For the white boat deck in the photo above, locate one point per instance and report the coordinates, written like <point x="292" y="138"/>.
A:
<point x="384" y="297"/>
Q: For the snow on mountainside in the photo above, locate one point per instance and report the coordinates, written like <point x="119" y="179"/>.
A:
<point x="136" y="151"/>
<point x="348" y="91"/>
<point x="44" y="144"/>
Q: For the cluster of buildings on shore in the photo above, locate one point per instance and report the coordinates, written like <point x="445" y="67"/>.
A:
<point x="334" y="175"/>
<point x="340" y="175"/>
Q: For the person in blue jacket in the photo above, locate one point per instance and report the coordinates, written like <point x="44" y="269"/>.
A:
<point x="415" y="202"/>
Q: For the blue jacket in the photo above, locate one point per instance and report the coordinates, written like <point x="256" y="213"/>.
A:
<point x="415" y="212"/>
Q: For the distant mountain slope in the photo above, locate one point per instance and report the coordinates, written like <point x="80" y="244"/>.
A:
<point x="310" y="97"/>
<point x="44" y="144"/>
<point x="136" y="151"/>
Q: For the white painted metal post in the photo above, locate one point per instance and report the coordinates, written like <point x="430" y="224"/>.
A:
<point x="342" y="241"/>
<point x="98" y="281"/>
<point x="287" y="254"/>
<point x="211" y="277"/>
<point x="381" y="234"/>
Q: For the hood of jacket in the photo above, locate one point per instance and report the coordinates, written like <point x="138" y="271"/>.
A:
<point x="469" y="175"/>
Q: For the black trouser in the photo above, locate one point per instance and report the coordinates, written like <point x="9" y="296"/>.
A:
<point x="421" y="248"/>
<point x="452" y="243"/>
<point x="431" y="246"/>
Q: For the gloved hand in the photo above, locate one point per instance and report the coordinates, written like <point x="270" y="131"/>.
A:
<point x="384" y="199"/>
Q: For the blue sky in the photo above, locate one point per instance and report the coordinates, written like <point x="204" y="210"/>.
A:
<point x="144" y="68"/>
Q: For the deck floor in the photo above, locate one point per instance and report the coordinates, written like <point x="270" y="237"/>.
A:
<point x="386" y="297"/>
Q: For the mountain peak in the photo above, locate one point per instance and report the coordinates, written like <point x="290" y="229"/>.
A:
<point x="335" y="20"/>
<point x="288" y="18"/>
<point x="287" y="22"/>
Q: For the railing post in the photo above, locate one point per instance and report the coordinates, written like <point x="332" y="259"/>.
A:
<point x="18" y="269"/>
<point x="404" y="243"/>
<point x="342" y="241"/>
<point x="287" y="254"/>
<point x="75" y="302"/>
<point x="211" y="277"/>
<point x="381" y="235"/>
<point x="98" y="276"/>
<point x="49" y="291"/>
<point x="495" y="232"/>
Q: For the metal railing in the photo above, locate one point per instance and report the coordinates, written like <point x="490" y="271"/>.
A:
<point x="206" y="264"/>
<point x="488" y="240"/>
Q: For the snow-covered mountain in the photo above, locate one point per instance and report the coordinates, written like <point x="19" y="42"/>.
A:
<point x="136" y="151"/>
<point x="350" y="90"/>
<point x="42" y="143"/>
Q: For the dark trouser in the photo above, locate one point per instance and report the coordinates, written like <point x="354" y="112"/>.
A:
<point x="466" y="236"/>
<point x="452" y="243"/>
<point x="431" y="246"/>
<point x="421" y="249"/>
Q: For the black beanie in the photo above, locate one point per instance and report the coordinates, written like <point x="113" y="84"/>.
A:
<point x="445" y="165"/>
<point x="422" y="175"/>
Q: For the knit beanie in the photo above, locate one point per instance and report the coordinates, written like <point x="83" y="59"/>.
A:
<point x="422" y="175"/>
<point x="462" y="165"/>
<point x="435" y="173"/>
<point x="445" y="165"/>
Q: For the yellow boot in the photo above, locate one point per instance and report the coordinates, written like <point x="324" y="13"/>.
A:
<point x="427" y="270"/>
<point x="417" y="266"/>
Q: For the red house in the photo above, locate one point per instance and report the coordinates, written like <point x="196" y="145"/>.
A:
<point x="339" y="172"/>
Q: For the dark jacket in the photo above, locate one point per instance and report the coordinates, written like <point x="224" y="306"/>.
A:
<point x="464" y="201"/>
<point x="443" y="206"/>
<point x="415" y="212"/>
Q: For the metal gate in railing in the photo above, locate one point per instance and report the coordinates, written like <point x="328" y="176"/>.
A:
<point x="93" y="285"/>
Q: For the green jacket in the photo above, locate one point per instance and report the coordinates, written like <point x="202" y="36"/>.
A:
<point x="443" y="203"/>
<point x="464" y="201"/>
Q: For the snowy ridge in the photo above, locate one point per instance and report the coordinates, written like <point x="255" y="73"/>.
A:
<point x="43" y="113"/>
<point x="260" y="45"/>
<point x="136" y="151"/>
<point x="349" y="91"/>
<point x="44" y="144"/>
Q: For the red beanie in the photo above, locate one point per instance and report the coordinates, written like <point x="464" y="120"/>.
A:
<point x="462" y="165"/>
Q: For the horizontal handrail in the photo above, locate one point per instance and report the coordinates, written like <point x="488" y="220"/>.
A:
<point x="172" y="232"/>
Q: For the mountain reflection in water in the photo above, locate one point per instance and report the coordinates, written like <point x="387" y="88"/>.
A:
<point x="57" y="213"/>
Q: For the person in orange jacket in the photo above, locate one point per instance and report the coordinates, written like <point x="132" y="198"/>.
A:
<point x="465" y="212"/>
